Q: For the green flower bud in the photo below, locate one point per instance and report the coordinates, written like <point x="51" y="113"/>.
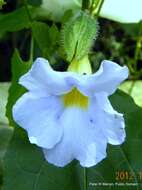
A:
<point x="82" y="66"/>
<point x="77" y="36"/>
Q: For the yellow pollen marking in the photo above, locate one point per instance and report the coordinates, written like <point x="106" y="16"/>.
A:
<point x="75" y="98"/>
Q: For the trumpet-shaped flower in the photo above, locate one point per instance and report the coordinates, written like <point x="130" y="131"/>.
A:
<point x="69" y="114"/>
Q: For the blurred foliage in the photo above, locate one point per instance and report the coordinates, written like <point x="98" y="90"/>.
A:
<point x="2" y="2"/>
<point x="3" y="101"/>
<point x="5" y="136"/>
<point x="118" y="42"/>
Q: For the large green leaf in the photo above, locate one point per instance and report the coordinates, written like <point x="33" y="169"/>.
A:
<point x="40" y="32"/>
<point x="14" y="21"/>
<point x="134" y="88"/>
<point x="19" y="67"/>
<point x="25" y="167"/>
<point x="5" y="135"/>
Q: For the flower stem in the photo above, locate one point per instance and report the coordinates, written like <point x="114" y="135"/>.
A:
<point x="94" y="5"/>
<point x="85" y="179"/>
<point x="85" y="4"/>
<point x="99" y="8"/>
<point x="138" y="46"/>
<point x="32" y="49"/>
<point x="27" y="10"/>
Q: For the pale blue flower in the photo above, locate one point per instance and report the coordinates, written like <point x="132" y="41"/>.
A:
<point x="124" y="11"/>
<point x="68" y="114"/>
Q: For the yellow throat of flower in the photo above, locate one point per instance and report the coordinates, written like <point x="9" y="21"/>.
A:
<point x="76" y="98"/>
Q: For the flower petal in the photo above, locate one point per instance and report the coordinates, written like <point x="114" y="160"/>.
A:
<point x="43" y="80"/>
<point x="122" y="11"/>
<point x="110" y="121"/>
<point x="81" y="140"/>
<point x="39" y="117"/>
<point x="106" y="79"/>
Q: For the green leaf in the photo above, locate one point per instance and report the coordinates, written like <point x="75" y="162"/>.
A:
<point x="34" y="2"/>
<point x="40" y="32"/>
<point x="4" y="86"/>
<point x="134" y="88"/>
<point x="53" y="35"/>
<point x="19" y="67"/>
<point x="131" y="29"/>
<point x="46" y="38"/>
<point x="14" y="21"/>
<point x="5" y="136"/>
<point x="25" y="167"/>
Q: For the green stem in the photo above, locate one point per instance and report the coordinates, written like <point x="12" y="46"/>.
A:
<point x="99" y="8"/>
<point x="32" y="49"/>
<point x="85" y="179"/>
<point x="85" y="4"/>
<point x="94" y="6"/>
<point x="137" y="52"/>
<point x="138" y="47"/>
<point x="32" y="39"/>
<point x="27" y="9"/>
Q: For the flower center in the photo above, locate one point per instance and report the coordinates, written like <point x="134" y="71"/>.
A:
<point x="75" y="98"/>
